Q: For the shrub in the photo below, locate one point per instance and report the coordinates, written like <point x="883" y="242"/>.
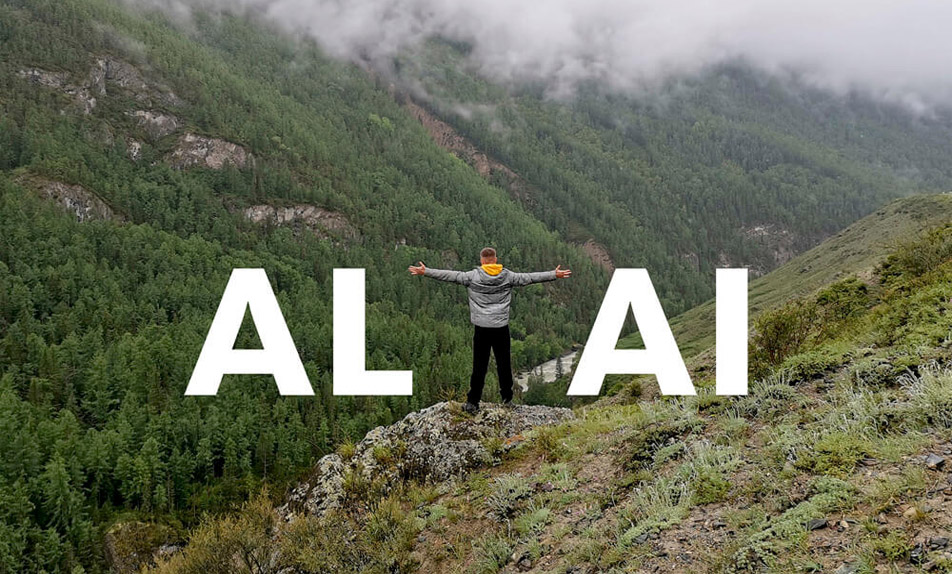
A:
<point x="919" y="256"/>
<point x="843" y="299"/>
<point x="781" y="332"/>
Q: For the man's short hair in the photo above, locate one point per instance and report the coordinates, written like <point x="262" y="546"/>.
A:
<point x="487" y="253"/>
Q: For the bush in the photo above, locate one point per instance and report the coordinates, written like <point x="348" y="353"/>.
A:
<point x="918" y="257"/>
<point x="781" y="332"/>
<point x="843" y="299"/>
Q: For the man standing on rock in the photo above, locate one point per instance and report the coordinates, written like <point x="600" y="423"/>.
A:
<point x="490" y="293"/>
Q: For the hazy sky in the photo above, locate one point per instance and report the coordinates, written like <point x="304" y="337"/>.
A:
<point x="899" y="49"/>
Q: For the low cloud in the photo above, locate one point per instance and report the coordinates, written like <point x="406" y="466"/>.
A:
<point x="896" y="49"/>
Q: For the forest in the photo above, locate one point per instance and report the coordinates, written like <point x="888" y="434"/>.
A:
<point x="102" y="319"/>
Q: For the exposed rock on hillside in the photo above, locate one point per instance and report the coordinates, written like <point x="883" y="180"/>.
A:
<point x="128" y="78"/>
<point x="130" y="546"/>
<point x="194" y="150"/>
<point x="598" y="254"/>
<point x="449" y="139"/>
<point x="156" y="124"/>
<point x="44" y="77"/>
<point x="778" y="241"/>
<point x="133" y="149"/>
<point x="78" y="200"/>
<point x="322" y="222"/>
<point x="103" y="71"/>
<point x="434" y="444"/>
<point x="60" y="81"/>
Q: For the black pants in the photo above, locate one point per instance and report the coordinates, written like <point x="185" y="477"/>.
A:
<point x="496" y="339"/>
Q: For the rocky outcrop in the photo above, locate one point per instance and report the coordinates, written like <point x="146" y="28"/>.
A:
<point x="431" y="445"/>
<point x="78" y="200"/>
<point x="322" y="222"/>
<point x="104" y="71"/>
<point x="130" y="80"/>
<point x="780" y="242"/>
<point x="60" y="81"/>
<point x="449" y="139"/>
<point x="598" y="254"/>
<point x="133" y="149"/>
<point x="194" y="150"/>
<point x="156" y="124"/>
<point x="57" y="80"/>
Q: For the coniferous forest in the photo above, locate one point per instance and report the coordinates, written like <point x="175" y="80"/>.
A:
<point x="102" y="316"/>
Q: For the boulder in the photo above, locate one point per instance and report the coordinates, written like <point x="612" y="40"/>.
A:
<point x="132" y="546"/>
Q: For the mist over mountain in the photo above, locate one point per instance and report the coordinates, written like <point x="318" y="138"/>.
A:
<point x="144" y="155"/>
<point x="891" y="49"/>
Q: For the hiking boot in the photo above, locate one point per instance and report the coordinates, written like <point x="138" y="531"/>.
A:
<point x="507" y="404"/>
<point x="470" y="408"/>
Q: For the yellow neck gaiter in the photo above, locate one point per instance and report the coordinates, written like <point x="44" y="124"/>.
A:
<point x="492" y="268"/>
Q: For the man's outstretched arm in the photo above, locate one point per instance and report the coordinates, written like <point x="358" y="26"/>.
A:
<point x="440" y="274"/>
<point x="520" y="279"/>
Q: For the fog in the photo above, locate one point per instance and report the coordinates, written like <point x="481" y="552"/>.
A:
<point x="895" y="49"/>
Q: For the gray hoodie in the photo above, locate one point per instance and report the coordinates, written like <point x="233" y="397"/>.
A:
<point x="489" y="295"/>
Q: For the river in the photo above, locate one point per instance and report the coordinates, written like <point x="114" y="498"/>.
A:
<point x="547" y="370"/>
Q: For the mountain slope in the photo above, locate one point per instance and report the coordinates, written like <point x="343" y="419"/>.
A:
<point x="142" y="158"/>
<point x="839" y="459"/>
<point x="137" y="168"/>
<point x="855" y="250"/>
<point x="701" y="172"/>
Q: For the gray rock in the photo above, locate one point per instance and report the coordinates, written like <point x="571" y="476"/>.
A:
<point x="816" y="524"/>
<point x="194" y="150"/>
<point x="934" y="461"/>
<point x="156" y="124"/>
<point x="81" y="202"/>
<point x="918" y="554"/>
<point x="431" y="445"/>
<point x="849" y="568"/>
<point x="323" y="491"/>
<point x="322" y="222"/>
<point x="130" y="80"/>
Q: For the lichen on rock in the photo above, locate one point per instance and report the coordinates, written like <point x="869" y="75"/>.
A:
<point x="432" y="445"/>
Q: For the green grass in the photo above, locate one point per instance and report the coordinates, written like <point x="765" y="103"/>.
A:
<point x="858" y="248"/>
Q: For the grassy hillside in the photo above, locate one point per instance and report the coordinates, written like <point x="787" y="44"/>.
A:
<point x="838" y="460"/>
<point x="854" y="251"/>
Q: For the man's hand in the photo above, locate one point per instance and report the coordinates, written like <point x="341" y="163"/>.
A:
<point x="562" y="273"/>
<point x="418" y="270"/>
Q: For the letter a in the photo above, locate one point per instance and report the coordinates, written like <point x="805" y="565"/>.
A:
<point x="660" y="357"/>
<point x="351" y="376"/>
<point x="249" y="288"/>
